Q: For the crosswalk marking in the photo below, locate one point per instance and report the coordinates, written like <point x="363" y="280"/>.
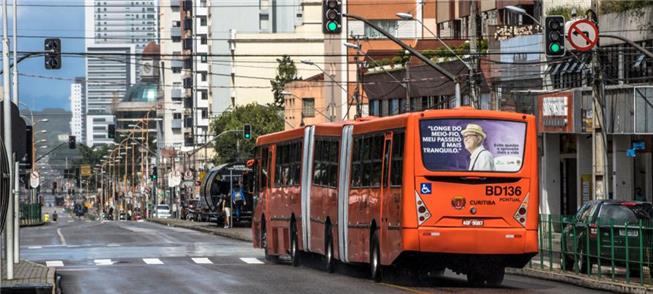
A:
<point x="201" y="260"/>
<point x="251" y="260"/>
<point x="103" y="262"/>
<point x="71" y="221"/>
<point x="152" y="261"/>
<point x="35" y="247"/>
<point x="54" y="263"/>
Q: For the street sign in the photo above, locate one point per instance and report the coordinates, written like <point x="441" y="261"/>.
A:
<point x="583" y="35"/>
<point x="85" y="170"/>
<point x="34" y="179"/>
<point x="174" y="179"/>
<point x="188" y="175"/>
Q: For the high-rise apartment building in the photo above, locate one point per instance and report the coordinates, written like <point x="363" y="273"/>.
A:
<point x="116" y="31"/>
<point x="78" y="109"/>
<point x="186" y="80"/>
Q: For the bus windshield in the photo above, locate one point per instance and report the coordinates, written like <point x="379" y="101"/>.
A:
<point x="472" y="145"/>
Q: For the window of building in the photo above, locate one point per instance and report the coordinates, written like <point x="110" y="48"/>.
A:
<point x="203" y="40"/>
<point x="203" y="20"/>
<point x="203" y="76"/>
<point x="203" y="58"/>
<point x="308" y="107"/>
<point x="205" y="114"/>
<point x="264" y="21"/>
<point x="391" y="26"/>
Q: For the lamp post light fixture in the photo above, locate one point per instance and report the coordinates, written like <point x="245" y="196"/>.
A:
<point x="522" y="11"/>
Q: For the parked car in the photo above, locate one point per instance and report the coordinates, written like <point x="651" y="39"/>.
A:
<point x="609" y="223"/>
<point x="163" y="211"/>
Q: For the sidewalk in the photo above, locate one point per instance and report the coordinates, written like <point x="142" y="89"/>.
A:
<point x="238" y="233"/>
<point x="605" y="282"/>
<point x="29" y="277"/>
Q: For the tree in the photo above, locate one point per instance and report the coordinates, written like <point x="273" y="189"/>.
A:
<point x="90" y="155"/>
<point x="286" y="72"/>
<point x="230" y="146"/>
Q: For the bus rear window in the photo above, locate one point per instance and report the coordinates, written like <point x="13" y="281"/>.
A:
<point x="472" y="145"/>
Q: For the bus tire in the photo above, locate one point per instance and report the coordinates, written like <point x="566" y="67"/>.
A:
<point x="329" y="261"/>
<point x="293" y="251"/>
<point x="375" y="258"/>
<point x="264" y="243"/>
<point x="475" y="278"/>
<point x="495" y="276"/>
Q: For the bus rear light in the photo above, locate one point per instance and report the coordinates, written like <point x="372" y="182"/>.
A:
<point x="423" y="213"/>
<point x="522" y="211"/>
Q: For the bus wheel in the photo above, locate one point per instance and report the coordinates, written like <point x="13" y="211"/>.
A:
<point x="264" y="243"/>
<point x="329" y="262"/>
<point x="475" y="278"/>
<point x="495" y="276"/>
<point x="293" y="251"/>
<point x="375" y="258"/>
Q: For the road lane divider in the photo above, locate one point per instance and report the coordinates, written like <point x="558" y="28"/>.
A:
<point x="54" y="263"/>
<point x="201" y="260"/>
<point x="63" y="240"/>
<point x="103" y="262"/>
<point x="152" y="261"/>
<point x="251" y="260"/>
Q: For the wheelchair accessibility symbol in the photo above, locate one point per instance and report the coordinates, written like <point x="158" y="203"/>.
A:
<point x="426" y="188"/>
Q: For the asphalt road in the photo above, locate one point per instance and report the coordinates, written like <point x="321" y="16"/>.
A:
<point x="142" y="257"/>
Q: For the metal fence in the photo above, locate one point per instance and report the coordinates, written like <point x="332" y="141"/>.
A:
<point x="602" y="249"/>
<point x="30" y="214"/>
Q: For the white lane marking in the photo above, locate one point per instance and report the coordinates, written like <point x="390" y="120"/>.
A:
<point x="113" y="245"/>
<point x="34" y="247"/>
<point x="103" y="262"/>
<point x="54" y="263"/>
<point x="152" y="261"/>
<point x="251" y="260"/>
<point x="63" y="240"/>
<point x="201" y="260"/>
<point x="71" y="221"/>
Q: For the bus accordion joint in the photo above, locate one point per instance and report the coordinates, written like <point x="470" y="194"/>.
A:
<point x="423" y="213"/>
<point x="522" y="211"/>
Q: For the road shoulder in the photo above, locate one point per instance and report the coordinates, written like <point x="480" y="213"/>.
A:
<point x="242" y="234"/>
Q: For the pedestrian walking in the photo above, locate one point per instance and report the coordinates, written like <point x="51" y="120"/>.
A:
<point x="226" y="210"/>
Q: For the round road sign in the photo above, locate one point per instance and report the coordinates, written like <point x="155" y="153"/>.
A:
<point x="34" y="179"/>
<point x="583" y="35"/>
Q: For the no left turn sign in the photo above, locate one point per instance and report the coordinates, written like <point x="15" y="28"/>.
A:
<point x="583" y="35"/>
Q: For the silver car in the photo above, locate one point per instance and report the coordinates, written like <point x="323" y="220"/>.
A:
<point x="163" y="211"/>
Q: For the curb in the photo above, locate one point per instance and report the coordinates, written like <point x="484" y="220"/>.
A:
<point x="221" y="233"/>
<point x="586" y="282"/>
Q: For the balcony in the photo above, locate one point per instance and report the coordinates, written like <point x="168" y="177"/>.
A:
<point x="188" y="122"/>
<point x="176" y="124"/>
<point x="174" y="3"/>
<point x="188" y="24"/>
<point x="175" y="32"/>
<point x="187" y="44"/>
<point x="188" y="5"/>
<point x="176" y="93"/>
<point x="188" y="83"/>
<point x="188" y="63"/>
<point x="176" y="63"/>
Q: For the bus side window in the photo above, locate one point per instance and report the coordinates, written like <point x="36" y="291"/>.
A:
<point x="263" y="181"/>
<point x="396" y="173"/>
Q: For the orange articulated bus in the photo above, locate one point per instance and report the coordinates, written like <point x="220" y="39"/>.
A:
<point x="424" y="191"/>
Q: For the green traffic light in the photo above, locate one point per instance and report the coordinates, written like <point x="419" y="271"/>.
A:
<point x="332" y="26"/>
<point x="555" y="47"/>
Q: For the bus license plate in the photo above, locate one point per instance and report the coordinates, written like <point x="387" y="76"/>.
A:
<point x="473" y="222"/>
<point x="631" y="233"/>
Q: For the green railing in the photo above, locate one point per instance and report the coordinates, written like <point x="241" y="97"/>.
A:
<point x="30" y="214"/>
<point x="605" y="250"/>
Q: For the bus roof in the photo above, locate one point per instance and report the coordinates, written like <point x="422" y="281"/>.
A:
<point x="372" y="123"/>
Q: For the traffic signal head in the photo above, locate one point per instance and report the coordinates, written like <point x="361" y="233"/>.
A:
<point x="554" y="35"/>
<point x="111" y="131"/>
<point x="52" y="48"/>
<point x="154" y="173"/>
<point x="72" y="142"/>
<point x="331" y="16"/>
<point x="247" y="131"/>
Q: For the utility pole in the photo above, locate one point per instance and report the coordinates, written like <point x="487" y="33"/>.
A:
<point x="472" y="51"/>
<point x="9" y="244"/>
<point x="16" y="180"/>
<point x="600" y="175"/>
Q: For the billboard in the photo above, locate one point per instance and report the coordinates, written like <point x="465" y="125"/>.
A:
<point x="472" y="145"/>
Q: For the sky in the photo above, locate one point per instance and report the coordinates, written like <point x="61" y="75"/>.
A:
<point x="52" y="92"/>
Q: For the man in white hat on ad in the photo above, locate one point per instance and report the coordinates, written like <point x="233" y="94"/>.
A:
<point x="480" y="159"/>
